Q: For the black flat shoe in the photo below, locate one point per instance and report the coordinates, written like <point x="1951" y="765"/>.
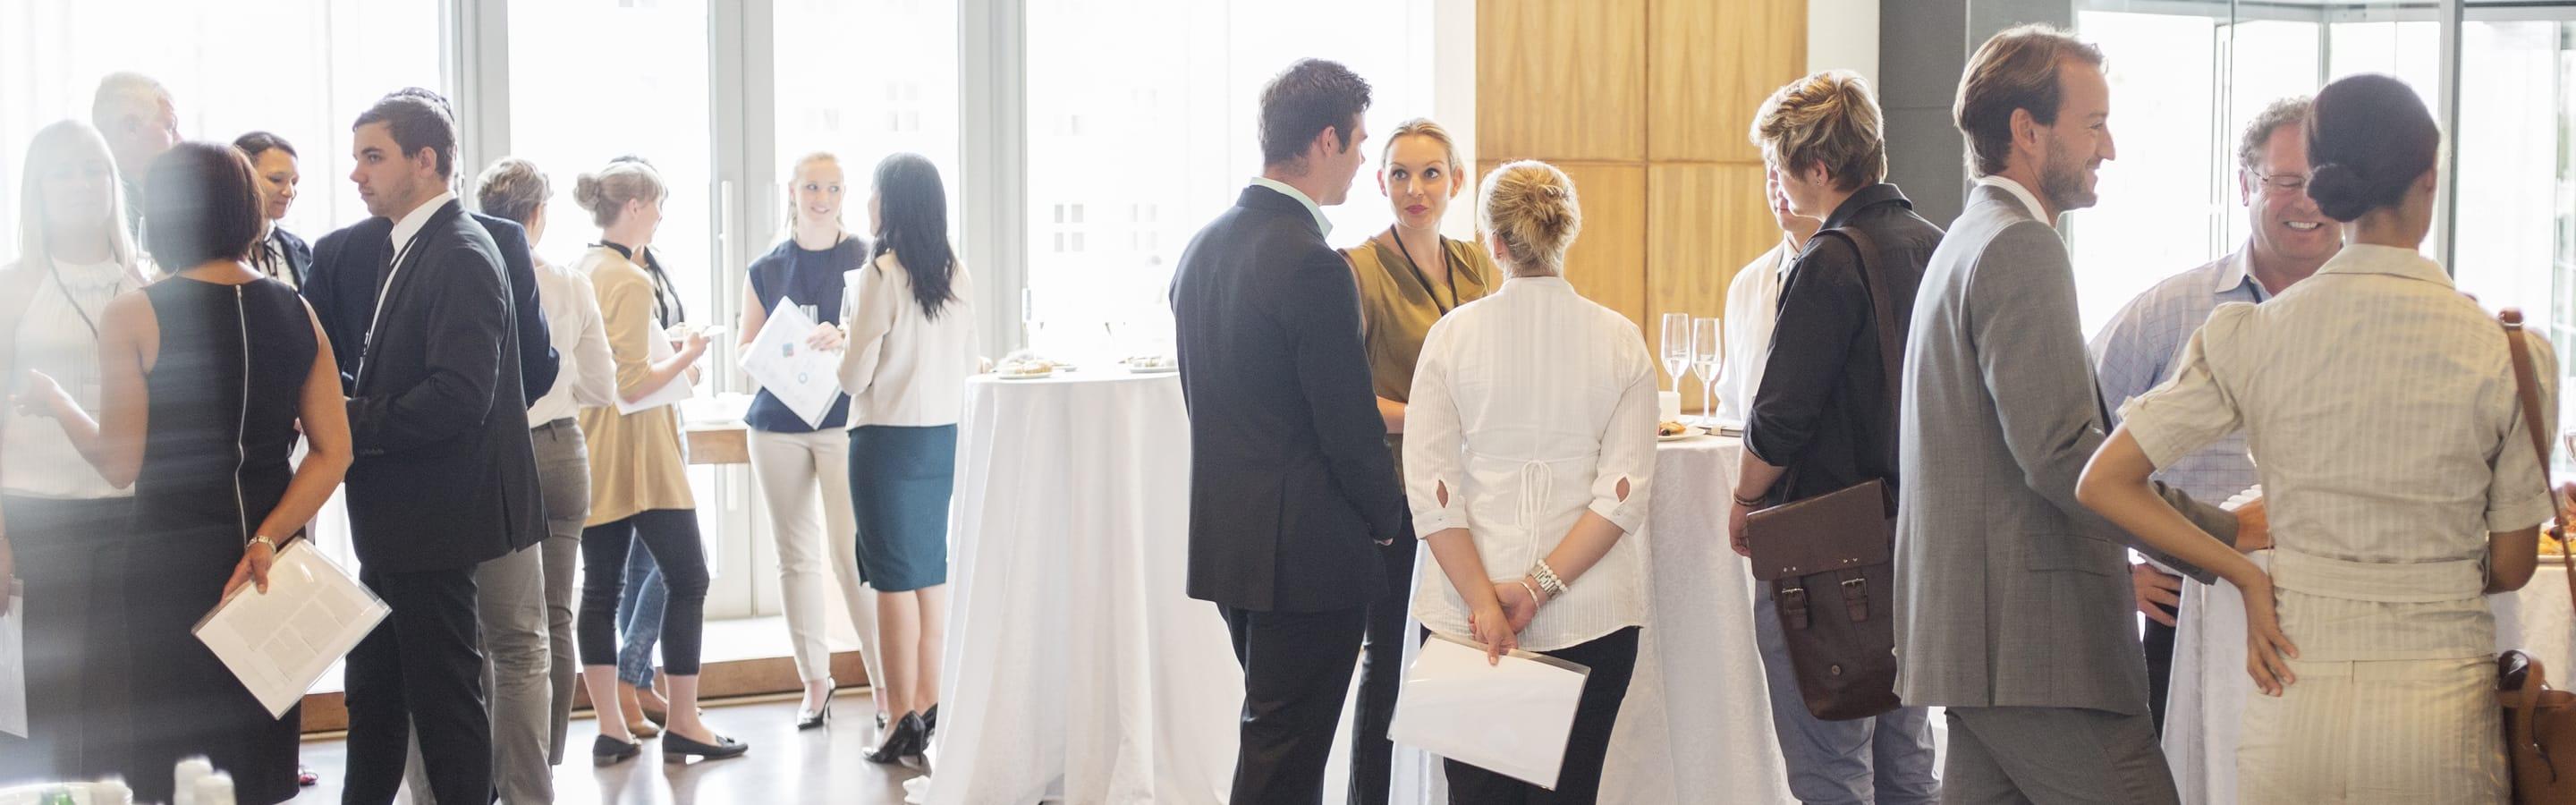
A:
<point x="678" y="749"/>
<point x="908" y="740"/>
<point x="607" y="751"/>
<point x="810" y="719"/>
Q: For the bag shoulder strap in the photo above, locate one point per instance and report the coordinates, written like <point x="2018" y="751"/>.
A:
<point x="2528" y="388"/>
<point x="1891" y="356"/>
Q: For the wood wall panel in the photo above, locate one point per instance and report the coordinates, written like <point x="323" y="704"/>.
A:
<point x="1561" y="79"/>
<point x="1703" y="223"/>
<point x="1711" y="64"/>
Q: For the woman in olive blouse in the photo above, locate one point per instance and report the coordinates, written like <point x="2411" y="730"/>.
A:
<point x="1409" y="276"/>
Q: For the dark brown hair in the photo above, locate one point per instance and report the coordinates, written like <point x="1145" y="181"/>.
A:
<point x="260" y="142"/>
<point x="2017" y="69"/>
<point x="1304" y="100"/>
<point x="203" y="205"/>
<point x="417" y="119"/>
<point x="2369" y="137"/>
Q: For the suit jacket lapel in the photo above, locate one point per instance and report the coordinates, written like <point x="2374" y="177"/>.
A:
<point x="406" y="274"/>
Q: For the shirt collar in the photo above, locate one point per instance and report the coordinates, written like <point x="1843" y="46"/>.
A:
<point x="1863" y="199"/>
<point x="1549" y="282"/>
<point x="2365" y="258"/>
<point x="411" y="222"/>
<point x="1784" y="256"/>
<point x="2237" y="271"/>
<point x="1300" y="195"/>
<point x="2019" y="192"/>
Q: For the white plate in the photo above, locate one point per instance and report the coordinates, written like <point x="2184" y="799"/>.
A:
<point x="1688" y="432"/>
<point x="1153" y="370"/>
<point x="1009" y="376"/>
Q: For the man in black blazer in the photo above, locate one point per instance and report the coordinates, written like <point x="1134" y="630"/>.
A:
<point x="445" y="477"/>
<point x="1292" y="492"/>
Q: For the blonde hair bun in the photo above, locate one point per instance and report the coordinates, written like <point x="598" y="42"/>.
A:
<point x="1531" y="209"/>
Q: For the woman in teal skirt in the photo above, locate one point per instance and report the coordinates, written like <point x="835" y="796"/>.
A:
<point x="911" y="346"/>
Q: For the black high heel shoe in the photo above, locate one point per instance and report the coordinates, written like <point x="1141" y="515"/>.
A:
<point x="810" y="719"/>
<point x="607" y="751"/>
<point x="930" y="723"/>
<point x="677" y="748"/>
<point x="909" y="739"/>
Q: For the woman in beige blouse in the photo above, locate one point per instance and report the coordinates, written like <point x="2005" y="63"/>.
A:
<point x="639" y="484"/>
<point x="1409" y="276"/>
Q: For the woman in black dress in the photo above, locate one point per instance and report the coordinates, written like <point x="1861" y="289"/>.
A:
<point x="208" y="376"/>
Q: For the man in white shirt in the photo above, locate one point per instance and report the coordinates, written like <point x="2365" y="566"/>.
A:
<point x="140" y="122"/>
<point x="1753" y="307"/>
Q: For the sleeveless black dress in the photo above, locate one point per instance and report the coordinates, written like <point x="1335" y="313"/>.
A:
<point x="224" y="391"/>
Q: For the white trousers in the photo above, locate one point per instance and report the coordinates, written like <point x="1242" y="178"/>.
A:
<point x="791" y="470"/>
<point x="2418" y="732"/>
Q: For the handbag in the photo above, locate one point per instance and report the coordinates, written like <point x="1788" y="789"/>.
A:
<point x="2539" y="723"/>
<point x="1830" y="561"/>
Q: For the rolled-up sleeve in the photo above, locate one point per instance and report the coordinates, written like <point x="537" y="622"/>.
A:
<point x="2192" y="408"/>
<point x="1628" y="441"/>
<point x="2518" y="494"/>
<point x="1434" y="462"/>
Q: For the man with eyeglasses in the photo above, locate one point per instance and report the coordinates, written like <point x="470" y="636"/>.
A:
<point x="2137" y="350"/>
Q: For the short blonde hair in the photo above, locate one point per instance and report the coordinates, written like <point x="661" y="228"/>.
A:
<point x="1529" y="207"/>
<point x="606" y="192"/>
<point x="1423" y="127"/>
<point x="513" y="188"/>
<point x="1827" y="119"/>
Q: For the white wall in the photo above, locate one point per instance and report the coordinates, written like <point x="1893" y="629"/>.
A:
<point x="1843" y="34"/>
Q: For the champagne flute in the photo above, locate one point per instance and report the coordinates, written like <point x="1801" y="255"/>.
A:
<point x="1707" y="354"/>
<point x="1677" y="347"/>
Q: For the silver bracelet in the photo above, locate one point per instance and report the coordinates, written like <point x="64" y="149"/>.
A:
<point x="1533" y="592"/>
<point x="1547" y="580"/>
<point x="262" y="540"/>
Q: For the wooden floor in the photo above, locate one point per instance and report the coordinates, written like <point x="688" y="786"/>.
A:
<point x="784" y="765"/>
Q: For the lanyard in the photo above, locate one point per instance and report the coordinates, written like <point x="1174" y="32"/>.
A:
<point x="1425" y="279"/>
<point x="367" y="347"/>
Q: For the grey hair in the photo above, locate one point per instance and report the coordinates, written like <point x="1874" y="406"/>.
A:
<point x="512" y="188"/>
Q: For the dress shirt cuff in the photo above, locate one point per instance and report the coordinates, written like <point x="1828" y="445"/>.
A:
<point x="1425" y="525"/>
<point x="2521" y="512"/>
<point x="1628" y="515"/>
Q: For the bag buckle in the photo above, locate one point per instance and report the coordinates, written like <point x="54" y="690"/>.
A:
<point x="1856" y="598"/>
<point x="1793" y="607"/>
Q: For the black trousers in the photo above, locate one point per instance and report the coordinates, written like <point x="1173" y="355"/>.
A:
<point x="1296" y="669"/>
<point x="671" y="536"/>
<point x="1613" y="659"/>
<point x="68" y="555"/>
<point x="1381" y="671"/>
<point x="2159" y="643"/>
<point x="422" y="669"/>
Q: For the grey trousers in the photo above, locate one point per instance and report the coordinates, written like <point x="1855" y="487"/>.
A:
<point x="2054" y="756"/>
<point x="1885" y="760"/>
<point x="511" y="609"/>
<point x="563" y="474"/>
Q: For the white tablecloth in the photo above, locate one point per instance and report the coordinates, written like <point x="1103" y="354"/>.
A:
<point x="1077" y="668"/>
<point x="2210" y="685"/>
<point x="1696" y="726"/>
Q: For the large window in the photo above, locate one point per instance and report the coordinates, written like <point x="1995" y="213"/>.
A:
<point x="862" y="79"/>
<point x="2187" y="76"/>
<point x="302" y="69"/>
<point x="1133" y="146"/>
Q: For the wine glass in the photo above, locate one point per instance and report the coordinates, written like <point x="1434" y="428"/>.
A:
<point x="1677" y="347"/>
<point x="1707" y="353"/>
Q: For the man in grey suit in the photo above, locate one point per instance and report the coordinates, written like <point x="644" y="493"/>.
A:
<point x="2013" y="605"/>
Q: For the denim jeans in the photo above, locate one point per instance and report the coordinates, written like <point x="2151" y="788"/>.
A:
<point x="639" y="619"/>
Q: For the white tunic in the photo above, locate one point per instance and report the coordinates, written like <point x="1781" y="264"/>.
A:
<point x="1530" y="407"/>
<point x="57" y="335"/>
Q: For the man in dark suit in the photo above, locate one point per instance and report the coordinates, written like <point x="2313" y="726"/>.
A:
<point x="445" y="478"/>
<point x="1292" y="492"/>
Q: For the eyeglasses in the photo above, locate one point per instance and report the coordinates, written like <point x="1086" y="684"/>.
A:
<point x="2291" y="182"/>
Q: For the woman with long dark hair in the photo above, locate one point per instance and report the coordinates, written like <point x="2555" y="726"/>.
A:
<point x="911" y="346"/>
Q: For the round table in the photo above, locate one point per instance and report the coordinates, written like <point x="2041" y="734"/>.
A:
<point x="1696" y="726"/>
<point x="1077" y="670"/>
<point x="2210" y="685"/>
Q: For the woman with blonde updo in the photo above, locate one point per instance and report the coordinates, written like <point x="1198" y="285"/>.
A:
<point x="639" y="485"/>
<point x="1530" y="446"/>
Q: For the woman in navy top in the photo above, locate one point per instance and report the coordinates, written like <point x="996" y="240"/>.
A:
<point x="794" y="459"/>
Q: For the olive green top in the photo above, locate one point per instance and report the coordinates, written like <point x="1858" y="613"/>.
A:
<point x="1397" y="308"/>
